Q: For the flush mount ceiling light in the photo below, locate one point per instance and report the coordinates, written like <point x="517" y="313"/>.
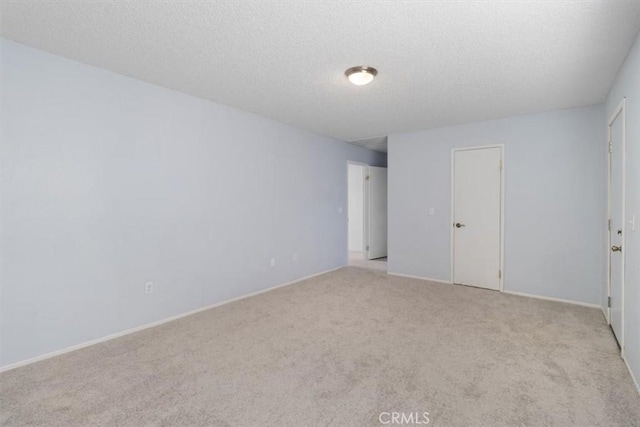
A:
<point x="361" y="75"/>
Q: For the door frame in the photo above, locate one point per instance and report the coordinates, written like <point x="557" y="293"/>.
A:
<point x="365" y="207"/>
<point x="620" y="110"/>
<point x="452" y="221"/>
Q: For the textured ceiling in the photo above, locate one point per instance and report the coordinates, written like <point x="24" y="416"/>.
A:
<point x="439" y="62"/>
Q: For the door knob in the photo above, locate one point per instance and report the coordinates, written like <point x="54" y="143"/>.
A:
<point x="616" y="248"/>
<point x="458" y="225"/>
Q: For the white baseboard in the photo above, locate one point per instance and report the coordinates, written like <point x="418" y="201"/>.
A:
<point x="152" y="324"/>
<point x="635" y="381"/>
<point x="567" y="301"/>
<point x="522" y="294"/>
<point x="428" y="279"/>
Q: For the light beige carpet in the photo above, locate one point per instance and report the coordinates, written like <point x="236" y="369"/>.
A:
<point x="357" y="259"/>
<point x="338" y="350"/>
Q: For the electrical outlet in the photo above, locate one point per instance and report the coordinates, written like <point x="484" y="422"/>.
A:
<point x="272" y="263"/>
<point x="148" y="288"/>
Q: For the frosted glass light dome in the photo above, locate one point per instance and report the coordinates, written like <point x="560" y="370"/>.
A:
<point x="361" y="75"/>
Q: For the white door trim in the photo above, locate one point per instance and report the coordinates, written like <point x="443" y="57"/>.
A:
<point x="451" y="222"/>
<point x="620" y="109"/>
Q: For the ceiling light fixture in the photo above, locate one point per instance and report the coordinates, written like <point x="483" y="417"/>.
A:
<point x="361" y="75"/>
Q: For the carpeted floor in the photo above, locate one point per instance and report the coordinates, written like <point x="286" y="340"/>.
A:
<point x="339" y="350"/>
<point x="356" y="259"/>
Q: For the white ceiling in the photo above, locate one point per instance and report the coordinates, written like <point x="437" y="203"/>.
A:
<point x="439" y="62"/>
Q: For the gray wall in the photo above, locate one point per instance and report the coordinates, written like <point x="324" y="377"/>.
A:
<point x="109" y="182"/>
<point x="553" y="201"/>
<point x="627" y="84"/>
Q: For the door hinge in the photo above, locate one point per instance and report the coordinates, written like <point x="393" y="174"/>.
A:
<point x="609" y="302"/>
<point x="500" y="165"/>
<point x="610" y="147"/>
<point x="499" y="274"/>
<point x="367" y="178"/>
<point x="609" y="225"/>
<point x="367" y="247"/>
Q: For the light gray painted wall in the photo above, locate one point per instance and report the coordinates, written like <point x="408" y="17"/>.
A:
<point x="627" y="84"/>
<point x="109" y="182"/>
<point x="356" y="207"/>
<point x="553" y="200"/>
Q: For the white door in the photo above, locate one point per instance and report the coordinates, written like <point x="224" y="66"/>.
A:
<point x="477" y="208"/>
<point x="376" y="212"/>
<point x="355" y="207"/>
<point x="616" y="234"/>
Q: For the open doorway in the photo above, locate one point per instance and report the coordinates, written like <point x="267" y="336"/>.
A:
<point x="367" y="216"/>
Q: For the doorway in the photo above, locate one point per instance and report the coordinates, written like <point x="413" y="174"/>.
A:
<point x="367" y="215"/>
<point x="477" y="217"/>
<point x="616" y="222"/>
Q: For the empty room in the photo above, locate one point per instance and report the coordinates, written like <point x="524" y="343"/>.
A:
<point x="320" y="213"/>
